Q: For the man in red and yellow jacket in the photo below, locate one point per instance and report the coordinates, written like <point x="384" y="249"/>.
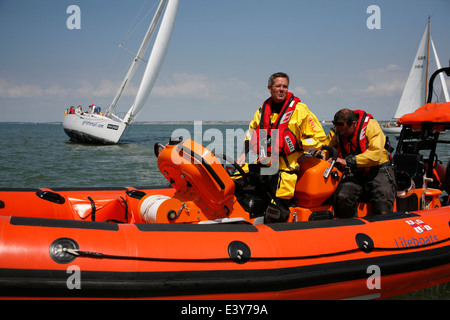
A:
<point x="291" y="128"/>
<point x="360" y="143"/>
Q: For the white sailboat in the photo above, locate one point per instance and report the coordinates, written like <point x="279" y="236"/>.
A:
<point x="109" y="128"/>
<point x="415" y="91"/>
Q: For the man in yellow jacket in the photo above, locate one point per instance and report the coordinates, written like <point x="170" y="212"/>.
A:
<point x="360" y="143"/>
<point x="282" y="129"/>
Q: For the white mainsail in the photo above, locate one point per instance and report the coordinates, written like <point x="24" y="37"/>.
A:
<point x="155" y="60"/>
<point x="139" y="55"/>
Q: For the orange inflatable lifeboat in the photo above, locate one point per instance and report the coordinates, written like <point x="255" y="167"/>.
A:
<point x="171" y="243"/>
<point x="335" y="259"/>
<point x="202" y="237"/>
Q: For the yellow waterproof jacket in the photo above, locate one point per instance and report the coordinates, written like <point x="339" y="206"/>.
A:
<point x="307" y="129"/>
<point x="303" y="124"/>
<point x="375" y="153"/>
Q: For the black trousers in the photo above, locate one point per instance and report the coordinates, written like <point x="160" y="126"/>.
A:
<point x="376" y="186"/>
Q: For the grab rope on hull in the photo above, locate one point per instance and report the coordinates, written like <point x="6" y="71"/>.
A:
<point x="240" y="253"/>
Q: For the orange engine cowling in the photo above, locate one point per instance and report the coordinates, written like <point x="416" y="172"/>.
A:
<point x="198" y="176"/>
<point x="312" y="187"/>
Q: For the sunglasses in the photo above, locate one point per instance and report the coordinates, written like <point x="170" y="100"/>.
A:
<point x="338" y="123"/>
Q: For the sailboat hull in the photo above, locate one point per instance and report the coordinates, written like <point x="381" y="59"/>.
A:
<point x="391" y="128"/>
<point x="93" y="129"/>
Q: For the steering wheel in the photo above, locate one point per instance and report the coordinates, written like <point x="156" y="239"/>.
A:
<point x="332" y="150"/>
<point x="235" y="165"/>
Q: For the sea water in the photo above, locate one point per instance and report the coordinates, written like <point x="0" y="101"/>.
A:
<point x="40" y="155"/>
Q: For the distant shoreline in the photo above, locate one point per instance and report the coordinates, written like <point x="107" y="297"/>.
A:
<point x="144" y="122"/>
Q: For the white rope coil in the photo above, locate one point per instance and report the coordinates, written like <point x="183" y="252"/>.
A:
<point x="149" y="207"/>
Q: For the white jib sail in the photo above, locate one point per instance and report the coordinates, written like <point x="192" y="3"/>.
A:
<point x="156" y="59"/>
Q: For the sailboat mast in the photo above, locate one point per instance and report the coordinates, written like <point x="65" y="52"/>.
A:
<point x="428" y="59"/>
<point x="139" y="54"/>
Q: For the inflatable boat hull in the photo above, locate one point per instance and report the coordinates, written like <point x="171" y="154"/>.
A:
<point x="336" y="259"/>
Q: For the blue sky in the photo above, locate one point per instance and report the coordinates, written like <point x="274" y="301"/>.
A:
<point x="220" y="57"/>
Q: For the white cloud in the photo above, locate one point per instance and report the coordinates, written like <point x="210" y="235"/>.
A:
<point x="106" y="88"/>
<point x="15" y="91"/>
<point x="388" y="89"/>
<point x="199" y="87"/>
<point x="300" y="91"/>
<point x="186" y="86"/>
<point x="388" y="81"/>
<point x="332" y="91"/>
<point x="179" y="85"/>
<point x="203" y="88"/>
<point x="376" y="91"/>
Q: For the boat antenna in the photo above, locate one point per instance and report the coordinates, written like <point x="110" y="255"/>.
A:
<point x="428" y="58"/>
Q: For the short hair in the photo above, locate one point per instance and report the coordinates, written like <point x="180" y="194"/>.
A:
<point x="277" y="75"/>
<point x="345" y="115"/>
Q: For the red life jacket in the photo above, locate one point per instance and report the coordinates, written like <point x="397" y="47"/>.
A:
<point x="286" y="142"/>
<point x="359" y="142"/>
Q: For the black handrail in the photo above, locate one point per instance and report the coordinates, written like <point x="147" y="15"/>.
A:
<point x="430" y="85"/>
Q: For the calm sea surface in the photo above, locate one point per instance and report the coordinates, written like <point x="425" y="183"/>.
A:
<point x="41" y="155"/>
